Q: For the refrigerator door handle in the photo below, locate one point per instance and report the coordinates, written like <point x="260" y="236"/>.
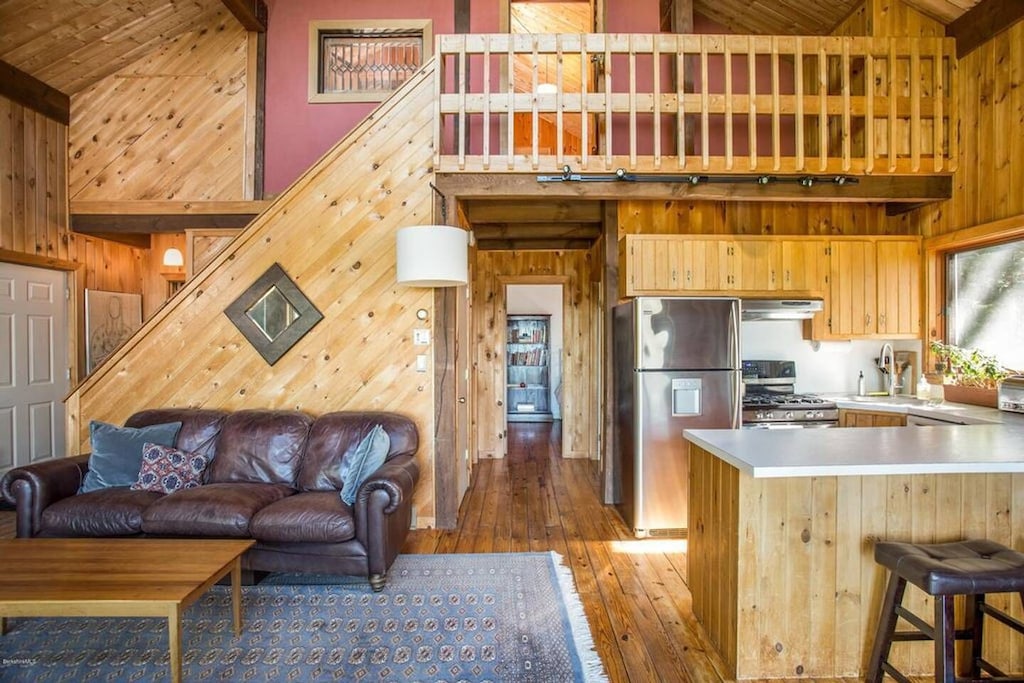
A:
<point x="737" y="399"/>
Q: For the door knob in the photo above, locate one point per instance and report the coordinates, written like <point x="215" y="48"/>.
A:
<point x="462" y="399"/>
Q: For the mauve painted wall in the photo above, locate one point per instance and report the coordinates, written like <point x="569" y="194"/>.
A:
<point x="297" y="132"/>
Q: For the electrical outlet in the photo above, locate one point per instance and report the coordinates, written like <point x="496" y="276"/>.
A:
<point x="421" y="337"/>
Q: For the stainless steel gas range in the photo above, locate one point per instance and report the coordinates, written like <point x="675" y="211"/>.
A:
<point x="769" y="400"/>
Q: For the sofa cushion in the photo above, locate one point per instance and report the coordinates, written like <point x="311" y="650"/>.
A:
<point x="117" y="452"/>
<point x="199" y="426"/>
<point x="166" y="469"/>
<point x="260" y="446"/>
<point x="309" y="517"/>
<point x="222" y="510"/>
<point x="357" y="466"/>
<point x="113" y="511"/>
<point x="334" y="435"/>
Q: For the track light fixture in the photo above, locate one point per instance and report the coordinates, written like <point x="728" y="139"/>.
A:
<point x="622" y="175"/>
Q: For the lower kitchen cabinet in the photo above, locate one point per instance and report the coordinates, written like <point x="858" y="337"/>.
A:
<point x="870" y="418"/>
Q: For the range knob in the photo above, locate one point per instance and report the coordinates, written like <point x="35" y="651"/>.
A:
<point x="789" y="415"/>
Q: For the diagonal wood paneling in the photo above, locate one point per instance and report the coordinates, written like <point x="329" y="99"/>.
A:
<point x="170" y="126"/>
<point x="72" y="44"/>
<point x="333" y="232"/>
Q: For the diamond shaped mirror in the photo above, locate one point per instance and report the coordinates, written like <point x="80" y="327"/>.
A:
<point x="273" y="314"/>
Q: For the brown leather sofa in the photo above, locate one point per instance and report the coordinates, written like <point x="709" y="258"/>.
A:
<point x="274" y="477"/>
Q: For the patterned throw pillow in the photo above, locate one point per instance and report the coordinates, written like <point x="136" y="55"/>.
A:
<point x="166" y="469"/>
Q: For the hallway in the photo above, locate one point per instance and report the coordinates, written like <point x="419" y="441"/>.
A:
<point x="633" y="591"/>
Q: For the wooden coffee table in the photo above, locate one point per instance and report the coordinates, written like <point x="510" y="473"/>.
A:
<point x="96" y="577"/>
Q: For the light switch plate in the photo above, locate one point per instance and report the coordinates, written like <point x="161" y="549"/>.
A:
<point x="421" y="337"/>
<point x="421" y="363"/>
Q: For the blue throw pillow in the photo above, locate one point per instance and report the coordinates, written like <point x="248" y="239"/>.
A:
<point x="117" y="452"/>
<point x="368" y="456"/>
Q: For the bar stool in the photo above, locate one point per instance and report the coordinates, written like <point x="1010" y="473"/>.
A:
<point x="945" y="570"/>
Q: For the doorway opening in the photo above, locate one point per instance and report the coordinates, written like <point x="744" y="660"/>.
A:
<point x="533" y="361"/>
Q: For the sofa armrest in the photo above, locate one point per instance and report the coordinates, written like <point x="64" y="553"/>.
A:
<point x="383" y="511"/>
<point x="397" y="477"/>
<point x="33" y="488"/>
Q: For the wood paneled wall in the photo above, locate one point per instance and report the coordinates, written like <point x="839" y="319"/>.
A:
<point x="575" y="270"/>
<point x="987" y="185"/>
<point x="757" y="218"/>
<point x="169" y="126"/>
<point x="333" y="232"/>
<point x="34" y="213"/>
<point x="889" y="18"/>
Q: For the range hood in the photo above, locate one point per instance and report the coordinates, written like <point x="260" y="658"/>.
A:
<point x="780" y="309"/>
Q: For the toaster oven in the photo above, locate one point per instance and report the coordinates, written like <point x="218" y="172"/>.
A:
<point x="1011" y="394"/>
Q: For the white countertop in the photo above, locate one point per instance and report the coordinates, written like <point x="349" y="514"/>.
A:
<point x="967" y="449"/>
<point x="908" y="405"/>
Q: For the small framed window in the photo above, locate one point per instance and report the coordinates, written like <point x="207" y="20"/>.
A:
<point x="365" y="61"/>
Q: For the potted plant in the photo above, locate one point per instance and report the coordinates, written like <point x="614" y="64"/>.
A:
<point x="969" y="375"/>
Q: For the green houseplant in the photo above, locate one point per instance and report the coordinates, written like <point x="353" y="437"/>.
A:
<point x="969" y="375"/>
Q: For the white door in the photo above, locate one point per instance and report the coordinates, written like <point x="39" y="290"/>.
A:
<point x="33" y="364"/>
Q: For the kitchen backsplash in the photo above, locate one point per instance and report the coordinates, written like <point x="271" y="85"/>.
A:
<point x="821" y="367"/>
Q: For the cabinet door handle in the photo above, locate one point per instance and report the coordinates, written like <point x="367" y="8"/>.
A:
<point x="881" y="320"/>
<point x="867" y="319"/>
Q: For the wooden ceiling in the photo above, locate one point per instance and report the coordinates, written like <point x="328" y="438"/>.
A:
<point x="807" y="17"/>
<point x="72" y="44"/>
<point x="523" y="224"/>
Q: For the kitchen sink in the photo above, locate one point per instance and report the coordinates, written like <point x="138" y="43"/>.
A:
<point x="896" y="400"/>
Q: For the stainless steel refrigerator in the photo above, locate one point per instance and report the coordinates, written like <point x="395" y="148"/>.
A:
<point x="677" y="366"/>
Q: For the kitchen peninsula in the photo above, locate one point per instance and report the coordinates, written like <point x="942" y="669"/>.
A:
<point x="782" y="525"/>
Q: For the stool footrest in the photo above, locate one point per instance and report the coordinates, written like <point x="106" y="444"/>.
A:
<point x="1001" y="616"/>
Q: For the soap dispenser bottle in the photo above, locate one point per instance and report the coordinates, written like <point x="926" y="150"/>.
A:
<point x="924" y="390"/>
<point x="860" y="384"/>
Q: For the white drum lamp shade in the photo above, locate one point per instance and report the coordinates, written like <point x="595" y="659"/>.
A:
<point x="432" y="256"/>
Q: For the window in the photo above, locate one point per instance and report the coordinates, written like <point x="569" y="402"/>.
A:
<point x="985" y="301"/>
<point x="365" y="61"/>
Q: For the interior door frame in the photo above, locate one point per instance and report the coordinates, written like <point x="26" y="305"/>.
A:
<point x="567" y="381"/>
<point x="75" y="353"/>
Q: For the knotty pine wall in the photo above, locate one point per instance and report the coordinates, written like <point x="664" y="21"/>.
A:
<point x="575" y="270"/>
<point x="987" y="184"/>
<point x="757" y="218"/>
<point x="34" y="214"/>
<point x="333" y="232"/>
<point x="172" y="125"/>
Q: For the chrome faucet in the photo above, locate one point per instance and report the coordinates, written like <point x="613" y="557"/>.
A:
<point x="887" y="364"/>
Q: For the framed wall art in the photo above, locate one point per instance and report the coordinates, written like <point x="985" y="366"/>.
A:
<point x="110" y="318"/>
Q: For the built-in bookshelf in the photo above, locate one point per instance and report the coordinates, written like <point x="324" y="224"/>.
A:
<point x="528" y="361"/>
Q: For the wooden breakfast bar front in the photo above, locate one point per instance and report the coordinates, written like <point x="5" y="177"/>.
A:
<point x="782" y="525"/>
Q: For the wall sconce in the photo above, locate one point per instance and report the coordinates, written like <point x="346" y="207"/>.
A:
<point x="432" y="256"/>
<point x="173" y="258"/>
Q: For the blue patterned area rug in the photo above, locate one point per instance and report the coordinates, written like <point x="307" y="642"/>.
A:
<point x="472" y="618"/>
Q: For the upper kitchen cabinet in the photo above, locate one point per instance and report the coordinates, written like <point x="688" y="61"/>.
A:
<point x="874" y="289"/>
<point x="804" y="265"/>
<point x="750" y="265"/>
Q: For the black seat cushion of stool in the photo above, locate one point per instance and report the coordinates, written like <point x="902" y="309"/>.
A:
<point x="962" y="568"/>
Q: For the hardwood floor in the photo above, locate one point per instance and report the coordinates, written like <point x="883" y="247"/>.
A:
<point x="634" y="592"/>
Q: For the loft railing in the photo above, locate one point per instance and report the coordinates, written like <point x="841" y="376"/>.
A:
<point x="685" y="103"/>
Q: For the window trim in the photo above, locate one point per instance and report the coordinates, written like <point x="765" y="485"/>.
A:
<point x="316" y="27"/>
<point x="935" y="251"/>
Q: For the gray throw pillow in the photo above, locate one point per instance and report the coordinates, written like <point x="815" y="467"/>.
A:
<point x="368" y="456"/>
<point x="117" y="452"/>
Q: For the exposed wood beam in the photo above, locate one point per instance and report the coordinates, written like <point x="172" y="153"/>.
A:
<point x="984" y="21"/>
<point x="880" y="189"/>
<point x="480" y="212"/>
<point x="104" y="219"/>
<point x="493" y="231"/>
<point x="29" y="91"/>
<point x="682" y="16"/>
<point x="611" y="449"/>
<point x="252" y="14"/>
<point x="533" y="245"/>
<point x="138" y="240"/>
